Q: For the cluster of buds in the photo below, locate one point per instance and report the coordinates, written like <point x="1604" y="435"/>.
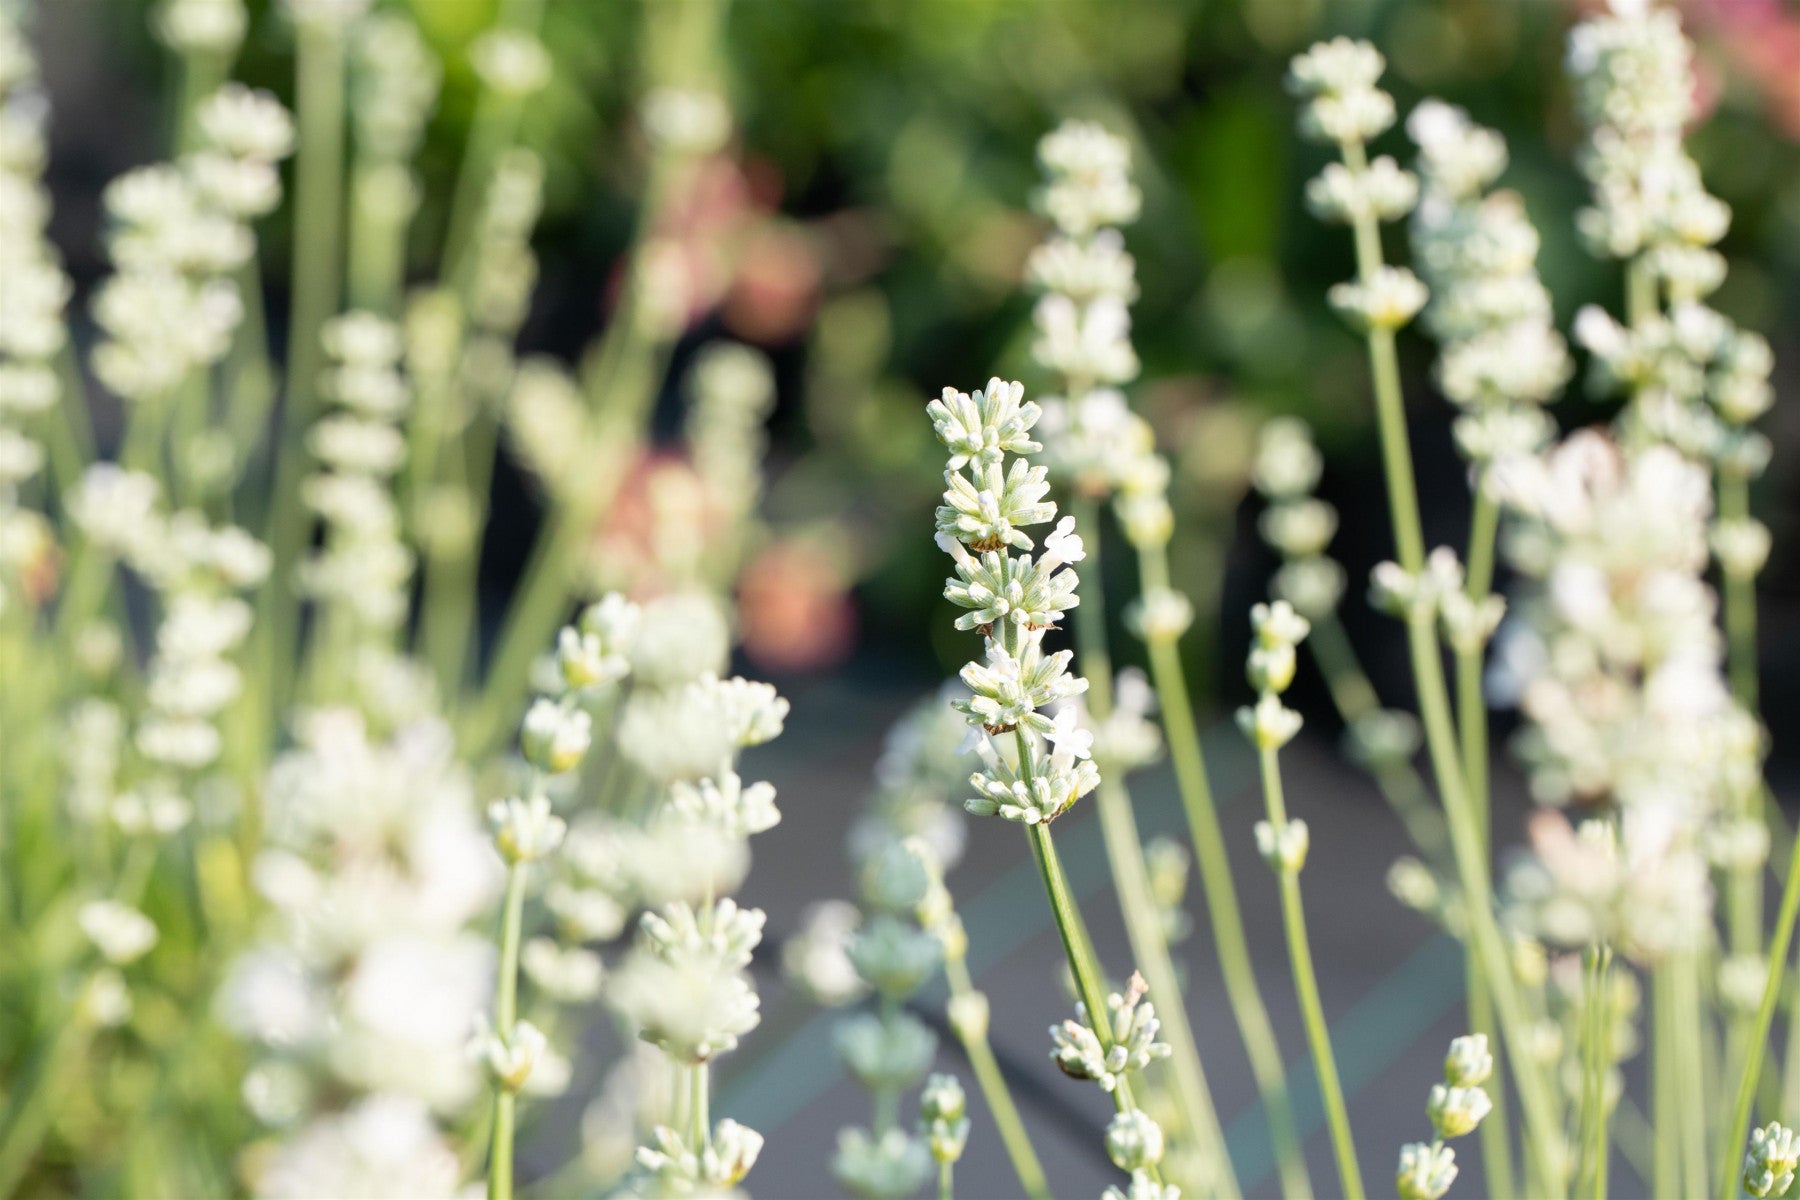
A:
<point x="684" y="987"/>
<point x="1501" y="358"/>
<point x="721" y="1163"/>
<point x="212" y="27"/>
<point x="1456" y="1106"/>
<point x="522" y="1061"/>
<point x="1438" y="592"/>
<point x="33" y="330"/>
<point x="364" y="570"/>
<point x="1344" y="107"/>
<point x="1014" y="599"/>
<point x="1277" y="631"/>
<point x="197" y="571"/>
<point x="1122" y="1044"/>
<point x="394" y="82"/>
<point x="732" y="389"/>
<point x="1083" y="321"/>
<point x="502" y="268"/>
<point x="1695" y="379"/>
<point x="1633" y="73"/>
<point x="1134" y="1143"/>
<point x="1771" y="1160"/>
<point x="943" y="1118"/>
<point x="894" y="953"/>
<point x="1297" y="525"/>
<point x="1129" y="1042"/>
<point x="1619" y="665"/>
<point x="180" y="233"/>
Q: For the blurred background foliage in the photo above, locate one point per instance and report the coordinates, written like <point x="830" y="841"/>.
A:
<point x="869" y="228"/>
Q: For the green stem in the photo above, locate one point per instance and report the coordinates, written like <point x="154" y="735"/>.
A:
<point x="994" y="1090"/>
<point x="1496" y="1139"/>
<point x="1131" y="877"/>
<point x="29" y="1118"/>
<point x="629" y="363"/>
<point x="1740" y="600"/>
<point x="1466" y="840"/>
<point x="506" y="1001"/>
<point x="1689" y="1022"/>
<point x="378" y="229"/>
<point x="700" y="1111"/>
<point x="1079" y="952"/>
<point x="945" y="1191"/>
<point x="1666" y="1089"/>
<point x="1229" y="941"/>
<point x="1779" y="944"/>
<point x="317" y="276"/>
<point x="1597" y="1061"/>
<point x="1472" y="722"/>
<point x="1306" y="988"/>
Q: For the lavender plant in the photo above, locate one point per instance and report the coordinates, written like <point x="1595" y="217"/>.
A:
<point x="256" y="939"/>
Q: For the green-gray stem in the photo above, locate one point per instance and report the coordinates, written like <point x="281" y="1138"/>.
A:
<point x="1306" y="989"/>
<point x="1467" y="844"/>
<point x="1131" y="877"/>
<point x="500" y="1155"/>
<point x="1779" y="944"/>
<point x="1229" y="941"/>
<point x="994" y="1090"/>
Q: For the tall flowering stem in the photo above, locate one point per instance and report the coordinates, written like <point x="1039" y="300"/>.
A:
<point x="1299" y="526"/>
<point x="1083" y="325"/>
<point x="1035" y="766"/>
<point x="908" y="836"/>
<point x="1160" y="617"/>
<point x="321" y="28"/>
<point x="1283" y="843"/>
<point x="1345" y="107"/>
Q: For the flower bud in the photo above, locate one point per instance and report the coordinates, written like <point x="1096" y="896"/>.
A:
<point x="1468" y="1064"/>
<point x="1269" y="725"/>
<point x="1426" y="1172"/>
<point x="1283" y="850"/>
<point x="968" y="1013"/>
<point x="1455" y="1111"/>
<point x="1134" y="1141"/>
<point x="554" y="738"/>
<point x="1770" y="1163"/>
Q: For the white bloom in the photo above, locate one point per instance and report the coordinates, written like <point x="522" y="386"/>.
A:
<point x="382" y="1147"/>
<point x="511" y="63"/>
<point x="121" y="933"/>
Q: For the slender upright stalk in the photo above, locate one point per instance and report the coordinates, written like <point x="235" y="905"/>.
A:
<point x="1666" y="1089"/>
<point x="1306" y="988"/>
<point x="1684" y="970"/>
<point x="317" y="276"/>
<point x="35" y="1105"/>
<point x="1222" y="910"/>
<point x="1131" y="877"/>
<point x="506" y="1011"/>
<point x="1750" y="1071"/>
<point x="1079" y="952"/>
<point x="995" y="1091"/>
<point x="1467" y="843"/>
<point x="1472" y="722"/>
<point x="945" y="1191"/>
<point x="1596" y="1064"/>
<point x="1471" y="705"/>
